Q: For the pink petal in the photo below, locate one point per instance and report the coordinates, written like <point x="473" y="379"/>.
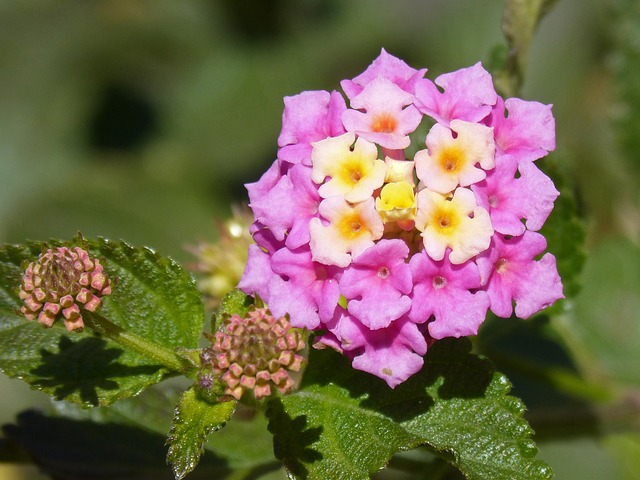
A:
<point x="308" y="117"/>
<point x="509" y="199"/>
<point x="257" y="273"/>
<point x="385" y="66"/>
<point x="511" y="273"/>
<point x="443" y="290"/>
<point x="377" y="282"/>
<point x="528" y="132"/>
<point x="468" y="95"/>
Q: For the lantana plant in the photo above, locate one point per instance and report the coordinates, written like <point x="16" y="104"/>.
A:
<point x="386" y="240"/>
<point x="395" y="218"/>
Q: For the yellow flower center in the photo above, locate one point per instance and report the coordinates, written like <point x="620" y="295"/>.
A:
<point x="451" y="159"/>
<point x="352" y="171"/>
<point x="351" y="226"/>
<point x="501" y="265"/>
<point x="446" y="218"/>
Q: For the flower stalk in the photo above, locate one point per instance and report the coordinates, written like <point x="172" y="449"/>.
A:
<point x="163" y="355"/>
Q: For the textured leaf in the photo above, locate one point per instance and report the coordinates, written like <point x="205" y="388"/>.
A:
<point x="194" y="420"/>
<point x="235" y="302"/>
<point x="153" y="298"/>
<point x="347" y="424"/>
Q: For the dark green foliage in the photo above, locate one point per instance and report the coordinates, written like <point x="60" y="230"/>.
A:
<point x="348" y="424"/>
<point x="153" y="298"/>
<point x="195" y="418"/>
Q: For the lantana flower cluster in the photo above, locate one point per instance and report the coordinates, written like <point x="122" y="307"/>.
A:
<point x="257" y="352"/>
<point x="60" y="284"/>
<point x="385" y="239"/>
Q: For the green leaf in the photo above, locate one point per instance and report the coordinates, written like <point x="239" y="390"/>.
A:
<point x="347" y="424"/>
<point x="235" y="302"/>
<point x="194" y="420"/>
<point x="565" y="233"/>
<point x="153" y="298"/>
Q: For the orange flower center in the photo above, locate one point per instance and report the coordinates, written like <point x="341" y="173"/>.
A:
<point x="384" y="124"/>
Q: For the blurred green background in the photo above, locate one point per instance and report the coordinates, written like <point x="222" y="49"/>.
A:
<point x="142" y="119"/>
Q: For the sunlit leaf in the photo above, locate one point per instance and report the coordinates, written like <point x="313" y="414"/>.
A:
<point x="195" y="418"/>
<point x="154" y="298"/>
<point x="347" y="424"/>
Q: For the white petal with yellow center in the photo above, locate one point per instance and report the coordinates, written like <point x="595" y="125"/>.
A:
<point x="449" y="162"/>
<point x="354" y="169"/>
<point x="352" y="228"/>
<point x="457" y="223"/>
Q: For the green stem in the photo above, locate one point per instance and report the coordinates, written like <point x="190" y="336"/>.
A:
<point x="519" y="23"/>
<point x="126" y="338"/>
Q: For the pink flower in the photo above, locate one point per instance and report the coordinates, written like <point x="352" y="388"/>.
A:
<point x="450" y="293"/>
<point x="264" y="238"/>
<point x="384" y="118"/>
<point x="310" y="292"/>
<point x="377" y="284"/>
<point x="267" y="181"/>
<point x="510" y="273"/>
<point x="288" y="206"/>
<point x="509" y="199"/>
<point x="527" y="133"/>
<point x="385" y="66"/>
<point x="308" y="117"/>
<point x="393" y="353"/>
<point x="468" y="95"/>
<point x="257" y="273"/>
<point x="379" y="252"/>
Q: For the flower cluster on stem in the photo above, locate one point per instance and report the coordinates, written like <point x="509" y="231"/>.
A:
<point x="252" y="353"/>
<point x="385" y="251"/>
<point x="60" y="284"/>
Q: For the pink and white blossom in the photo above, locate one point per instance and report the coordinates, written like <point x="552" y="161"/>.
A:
<point x="381" y="252"/>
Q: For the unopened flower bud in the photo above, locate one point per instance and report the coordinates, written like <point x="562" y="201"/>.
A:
<point x="256" y="353"/>
<point x="60" y="284"/>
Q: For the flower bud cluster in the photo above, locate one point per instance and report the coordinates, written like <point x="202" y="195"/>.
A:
<point x="386" y="238"/>
<point x="256" y="353"/>
<point x="60" y="283"/>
